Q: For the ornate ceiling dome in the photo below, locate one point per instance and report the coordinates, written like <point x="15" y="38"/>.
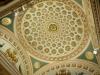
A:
<point x="53" y="30"/>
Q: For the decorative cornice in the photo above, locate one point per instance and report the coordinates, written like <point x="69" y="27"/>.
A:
<point x="10" y="67"/>
<point x="96" y="14"/>
<point x="95" y="4"/>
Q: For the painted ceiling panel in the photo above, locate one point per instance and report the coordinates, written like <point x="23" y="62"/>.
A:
<point x="55" y="38"/>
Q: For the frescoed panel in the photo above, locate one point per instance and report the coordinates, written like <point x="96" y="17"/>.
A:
<point x="89" y="54"/>
<point x="8" y="21"/>
<point x="9" y="50"/>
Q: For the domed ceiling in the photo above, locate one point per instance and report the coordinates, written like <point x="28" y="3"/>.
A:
<point x="54" y="36"/>
<point x="53" y="30"/>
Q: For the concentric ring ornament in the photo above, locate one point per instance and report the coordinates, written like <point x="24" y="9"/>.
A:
<point x="53" y="30"/>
